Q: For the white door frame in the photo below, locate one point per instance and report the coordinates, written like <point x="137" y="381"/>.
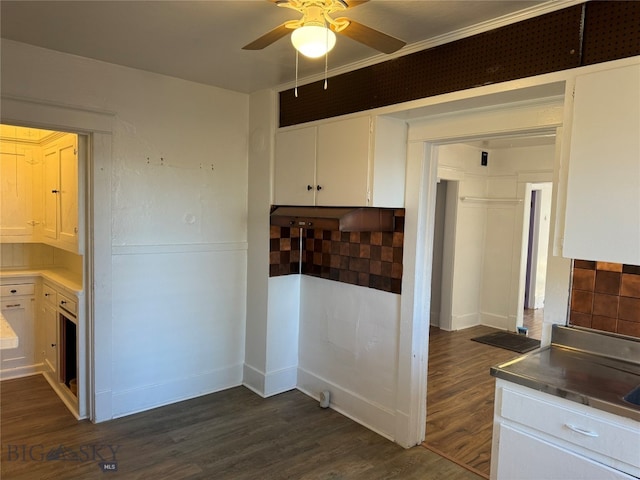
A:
<point x="424" y="138"/>
<point x="97" y="126"/>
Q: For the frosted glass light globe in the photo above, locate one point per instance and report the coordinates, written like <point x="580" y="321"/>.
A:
<point x="313" y="41"/>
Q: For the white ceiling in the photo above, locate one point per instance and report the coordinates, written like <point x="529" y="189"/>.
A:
<point x="202" y="41"/>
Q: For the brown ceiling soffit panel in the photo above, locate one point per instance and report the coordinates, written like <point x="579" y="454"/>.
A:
<point x="611" y="31"/>
<point x="344" y="219"/>
<point x="543" y="44"/>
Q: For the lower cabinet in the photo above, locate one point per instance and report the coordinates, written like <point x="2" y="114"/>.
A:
<point x="17" y="308"/>
<point x="540" y="436"/>
<point x="49" y="325"/>
<point x="523" y="456"/>
<point x="60" y="346"/>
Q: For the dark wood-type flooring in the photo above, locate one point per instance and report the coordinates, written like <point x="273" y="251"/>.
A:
<point x="233" y="434"/>
<point x="460" y="394"/>
<point x="533" y="320"/>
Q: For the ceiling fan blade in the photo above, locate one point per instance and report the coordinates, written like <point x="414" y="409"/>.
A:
<point x="355" y="3"/>
<point x="371" y="37"/>
<point x="268" y="38"/>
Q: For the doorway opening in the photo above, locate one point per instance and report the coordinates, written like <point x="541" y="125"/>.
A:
<point x="535" y="251"/>
<point x="481" y="227"/>
<point x="44" y="184"/>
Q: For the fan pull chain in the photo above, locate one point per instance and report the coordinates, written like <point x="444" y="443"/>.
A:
<point x="326" y="62"/>
<point x="326" y="54"/>
<point x="296" y="88"/>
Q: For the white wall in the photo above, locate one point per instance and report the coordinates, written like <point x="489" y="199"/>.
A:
<point x="514" y="171"/>
<point x="38" y="255"/>
<point x="273" y="304"/>
<point x="349" y="346"/>
<point x="487" y="240"/>
<point x="455" y="162"/>
<point x="178" y="214"/>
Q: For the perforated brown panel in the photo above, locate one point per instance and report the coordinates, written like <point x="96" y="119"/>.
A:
<point x="539" y="45"/>
<point x="612" y="31"/>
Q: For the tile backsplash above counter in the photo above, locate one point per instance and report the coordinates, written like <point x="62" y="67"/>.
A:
<point x="368" y="259"/>
<point x="606" y="296"/>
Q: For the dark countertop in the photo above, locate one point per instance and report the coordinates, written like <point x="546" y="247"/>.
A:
<point x="573" y="370"/>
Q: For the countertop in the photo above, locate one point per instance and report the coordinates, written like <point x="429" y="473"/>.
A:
<point x="62" y="277"/>
<point x="8" y="338"/>
<point x="596" y="371"/>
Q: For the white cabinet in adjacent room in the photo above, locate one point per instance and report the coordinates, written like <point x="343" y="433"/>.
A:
<point x="60" y="178"/>
<point x="16" y="195"/>
<point x="18" y="310"/>
<point x="49" y="325"/>
<point x="359" y="161"/>
<point x="603" y="188"/>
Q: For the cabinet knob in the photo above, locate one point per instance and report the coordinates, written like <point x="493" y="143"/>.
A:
<point x="14" y="291"/>
<point x="319" y="187"/>
<point x="55" y="191"/>
<point x="47" y="294"/>
<point x="63" y="302"/>
<point x="53" y="344"/>
<point x="309" y="187"/>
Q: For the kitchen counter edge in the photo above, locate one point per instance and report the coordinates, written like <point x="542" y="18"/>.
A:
<point x="60" y="276"/>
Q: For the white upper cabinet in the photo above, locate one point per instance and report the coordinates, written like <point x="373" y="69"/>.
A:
<point x="68" y="224"/>
<point x="603" y="188"/>
<point x="51" y="182"/>
<point x="60" y="179"/>
<point x="295" y="167"/>
<point x="342" y="168"/>
<point x="353" y="162"/>
<point x="16" y="196"/>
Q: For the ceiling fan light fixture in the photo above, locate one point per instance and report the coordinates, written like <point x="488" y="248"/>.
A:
<point x="313" y="41"/>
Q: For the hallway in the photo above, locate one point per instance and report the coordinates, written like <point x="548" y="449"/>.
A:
<point x="460" y="394"/>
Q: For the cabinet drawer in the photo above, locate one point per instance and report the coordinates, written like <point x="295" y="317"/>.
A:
<point x="68" y="304"/>
<point x="49" y="294"/>
<point x="596" y="434"/>
<point x="17" y="289"/>
<point x="520" y="458"/>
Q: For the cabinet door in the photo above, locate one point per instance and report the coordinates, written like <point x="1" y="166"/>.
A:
<point x="18" y="312"/>
<point x="50" y="346"/>
<point x="343" y="162"/>
<point x="15" y="192"/>
<point x="294" y="170"/>
<point x="68" y="228"/>
<point x="51" y="182"/>
<point x="603" y="188"/>
<point x="525" y="457"/>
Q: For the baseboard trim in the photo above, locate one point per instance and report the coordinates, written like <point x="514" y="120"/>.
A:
<point x="17" y="372"/>
<point x="269" y="384"/>
<point x="253" y="379"/>
<point x="152" y="396"/>
<point x="495" y="321"/>
<point x="373" y="416"/>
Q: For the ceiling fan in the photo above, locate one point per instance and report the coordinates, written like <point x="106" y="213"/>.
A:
<point x="313" y="35"/>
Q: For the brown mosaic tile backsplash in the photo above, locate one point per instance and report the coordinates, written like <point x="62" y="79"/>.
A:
<point x="367" y="259"/>
<point x="606" y="296"/>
